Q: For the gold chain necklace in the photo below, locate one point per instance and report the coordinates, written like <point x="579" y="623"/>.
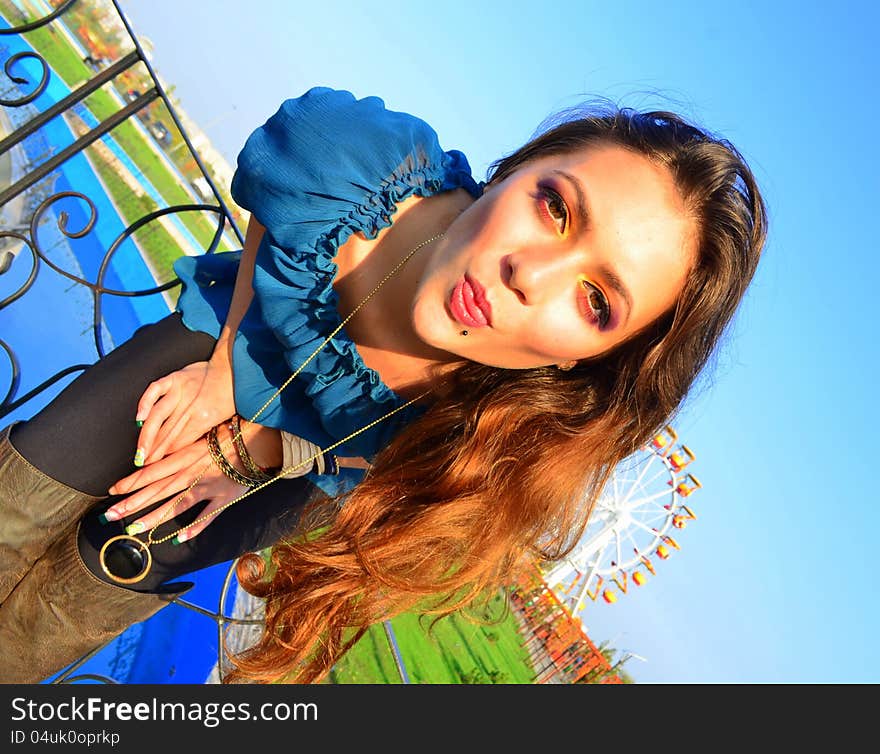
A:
<point x="128" y="549"/>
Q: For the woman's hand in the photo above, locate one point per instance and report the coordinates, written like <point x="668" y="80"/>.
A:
<point x="170" y="476"/>
<point x="182" y="406"/>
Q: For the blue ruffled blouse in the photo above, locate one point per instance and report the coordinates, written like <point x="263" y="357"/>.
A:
<point x="326" y="165"/>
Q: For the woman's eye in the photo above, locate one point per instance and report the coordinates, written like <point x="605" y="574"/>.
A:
<point x="556" y="208"/>
<point x="597" y="303"/>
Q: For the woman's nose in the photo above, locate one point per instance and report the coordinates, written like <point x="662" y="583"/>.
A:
<point x="539" y="275"/>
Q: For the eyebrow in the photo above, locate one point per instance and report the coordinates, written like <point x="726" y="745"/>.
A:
<point x="608" y="273"/>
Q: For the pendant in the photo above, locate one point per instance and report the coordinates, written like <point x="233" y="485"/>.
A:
<point x="125" y="559"/>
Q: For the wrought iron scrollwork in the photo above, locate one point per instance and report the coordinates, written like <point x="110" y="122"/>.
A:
<point x="7" y="265"/>
<point x="63" y="8"/>
<point x="41" y="87"/>
<point x="14" y="371"/>
<point x="25" y="250"/>
<point x="97" y="288"/>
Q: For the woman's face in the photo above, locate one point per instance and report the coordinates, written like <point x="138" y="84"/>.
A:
<point x="564" y="259"/>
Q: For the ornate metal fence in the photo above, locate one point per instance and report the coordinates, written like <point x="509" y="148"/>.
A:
<point x="53" y="133"/>
<point x="139" y="212"/>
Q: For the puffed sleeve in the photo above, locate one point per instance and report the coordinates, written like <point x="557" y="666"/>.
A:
<point x="324" y="166"/>
<point x="327" y="155"/>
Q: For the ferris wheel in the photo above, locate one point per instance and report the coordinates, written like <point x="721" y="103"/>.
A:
<point x="631" y="525"/>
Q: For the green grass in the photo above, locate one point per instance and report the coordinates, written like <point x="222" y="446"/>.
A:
<point x="156" y="242"/>
<point x="455" y="650"/>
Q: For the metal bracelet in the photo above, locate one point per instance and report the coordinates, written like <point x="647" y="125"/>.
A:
<point x="223" y="464"/>
<point x="255" y="471"/>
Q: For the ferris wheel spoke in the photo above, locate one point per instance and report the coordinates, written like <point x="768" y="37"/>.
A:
<point x="615" y="487"/>
<point x="590" y="564"/>
<point x="656" y="520"/>
<point x="640" y="525"/>
<point x="637" y="482"/>
<point x="640" y="482"/>
<point x="619" y="551"/>
<point x="649" y="512"/>
<point x="651" y="498"/>
<point x="596" y="562"/>
<point x="661" y="472"/>
<point x="627" y="480"/>
<point x="595" y="524"/>
<point x="585" y="587"/>
<point x="604" y="504"/>
<point x="633" y="540"/>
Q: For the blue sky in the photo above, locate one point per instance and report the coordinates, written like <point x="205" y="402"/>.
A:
<point x="774" y="582"/>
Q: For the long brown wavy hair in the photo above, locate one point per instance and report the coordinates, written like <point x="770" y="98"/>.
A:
<point x="505" y="465"/>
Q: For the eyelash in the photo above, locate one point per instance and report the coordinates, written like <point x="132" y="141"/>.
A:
<point x="603" y="314"/>
<point x="548" y="198"/>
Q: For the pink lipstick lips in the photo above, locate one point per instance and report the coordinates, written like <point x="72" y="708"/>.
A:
<point x="468" y="304"/>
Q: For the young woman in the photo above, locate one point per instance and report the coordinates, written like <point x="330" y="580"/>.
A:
<point x="487" y="352"/>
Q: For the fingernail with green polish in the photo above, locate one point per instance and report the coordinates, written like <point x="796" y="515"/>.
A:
<point x="104" y="519"/>
<point x="139" y="422"/>
<point x="175" y="540"/>
<point x="139" y="457"/>
<point x="136" y="528"/>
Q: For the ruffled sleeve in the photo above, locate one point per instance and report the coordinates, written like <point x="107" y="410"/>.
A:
<point x="324" y="166"/>
<point x="327" y="155"/>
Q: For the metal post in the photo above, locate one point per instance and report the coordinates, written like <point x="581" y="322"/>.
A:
<point x="395" y="651"/>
